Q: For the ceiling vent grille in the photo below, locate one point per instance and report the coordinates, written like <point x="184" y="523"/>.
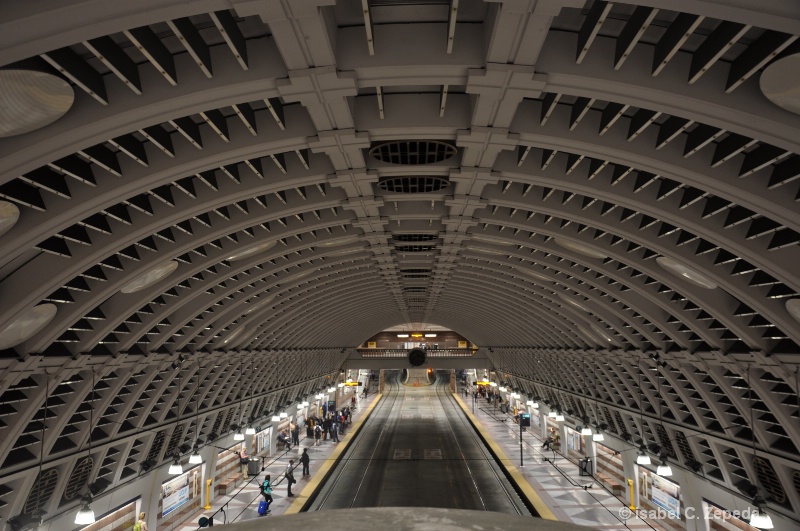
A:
<point x="41" y="492"/>
<point x="413" y="185"/>
<point x="413" y="152"/>
<point x="769" y="480"/>
<point x="413" y="237"/>
<point x="78" y="478"/>
<point x="415" y="248"/>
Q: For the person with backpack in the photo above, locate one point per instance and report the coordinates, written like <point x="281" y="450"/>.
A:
<point x="141" y="524"/>
<point x="317" y="434"/>
<point x="266" y="491"/>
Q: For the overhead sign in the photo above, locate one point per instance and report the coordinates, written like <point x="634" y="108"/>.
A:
<point x="462" y="344"/>
<point x="353" y="384"/>
<point x="372" y="344"/>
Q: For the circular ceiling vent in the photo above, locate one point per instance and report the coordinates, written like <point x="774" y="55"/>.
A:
<point x="412" y="152"/>
<point x="413" y="185"/>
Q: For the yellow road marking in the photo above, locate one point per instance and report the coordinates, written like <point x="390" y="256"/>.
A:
<point x="516" y="476"/>
<point x="315" y="481"/>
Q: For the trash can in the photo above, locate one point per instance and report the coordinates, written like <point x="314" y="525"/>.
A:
<point x="585" y="467"/>
<point x="253" y="467"/>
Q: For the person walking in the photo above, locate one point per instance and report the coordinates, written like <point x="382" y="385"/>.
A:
<point x="317" y="434"/>
<point x="295" y="434"/>
<point x="304" y="459"/>
<point x="290" y="478"/>
<point x="141" y="524"/>
<point x="266" y="491"/>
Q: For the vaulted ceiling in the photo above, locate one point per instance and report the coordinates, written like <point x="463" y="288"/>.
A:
<point x="562" y="181"/>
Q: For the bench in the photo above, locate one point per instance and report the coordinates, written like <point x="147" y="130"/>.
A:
<point x="615" y="488"/>
<point x="229" y="483"/>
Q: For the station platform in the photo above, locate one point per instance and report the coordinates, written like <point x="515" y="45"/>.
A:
<point x="243" y="503"/>
<point x="555" y="479"/>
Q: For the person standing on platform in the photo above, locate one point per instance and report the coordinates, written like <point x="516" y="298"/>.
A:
<point x="366" y="391"/>
<point x="304" y="459"/>
<point x="290" y="478"/>
<point x="335" y="431"/>
<point x="243" y="460"/>
<point x="295" y="434"/>
<point x="317" y="434"/>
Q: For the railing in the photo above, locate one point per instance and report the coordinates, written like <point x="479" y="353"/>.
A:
<point x="402" y="353"/>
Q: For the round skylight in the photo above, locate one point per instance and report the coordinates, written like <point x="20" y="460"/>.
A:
<point x="26" y="325"/>
<point x="580" y="248"/>
<point x="780" y="83"/>
<point x="793" y="307"/>
<point x="247" y="253"/>
<point x="151" y="277"/>
<point x="9" y="214"/>
<point x="31" y="100"/>
<point x="686" y="272"/>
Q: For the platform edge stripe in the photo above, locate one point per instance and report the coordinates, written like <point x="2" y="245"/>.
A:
<point x="325" y="469"/>
<point x="513" y="472"/>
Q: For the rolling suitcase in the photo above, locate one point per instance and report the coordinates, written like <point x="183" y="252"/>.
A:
<point x="262" y="508"/>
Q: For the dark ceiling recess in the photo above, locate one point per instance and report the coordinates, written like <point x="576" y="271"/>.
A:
<point x="413" y="237"/>
<point x="414" y="184"/>
<point x="413" y="152"/>
<point x="416" y="357"/>
<point x="414" y="248"/>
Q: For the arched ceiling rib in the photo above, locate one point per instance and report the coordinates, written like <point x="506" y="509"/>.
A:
<point x="200" y="130"/>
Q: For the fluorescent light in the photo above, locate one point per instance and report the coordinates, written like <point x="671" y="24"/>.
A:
<point x="430" y="335"/>
<point x="664" y="470"/>
<point x="402" y="335"/>
<point x="250" y="431"/>
<point x="761" y="520"/>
